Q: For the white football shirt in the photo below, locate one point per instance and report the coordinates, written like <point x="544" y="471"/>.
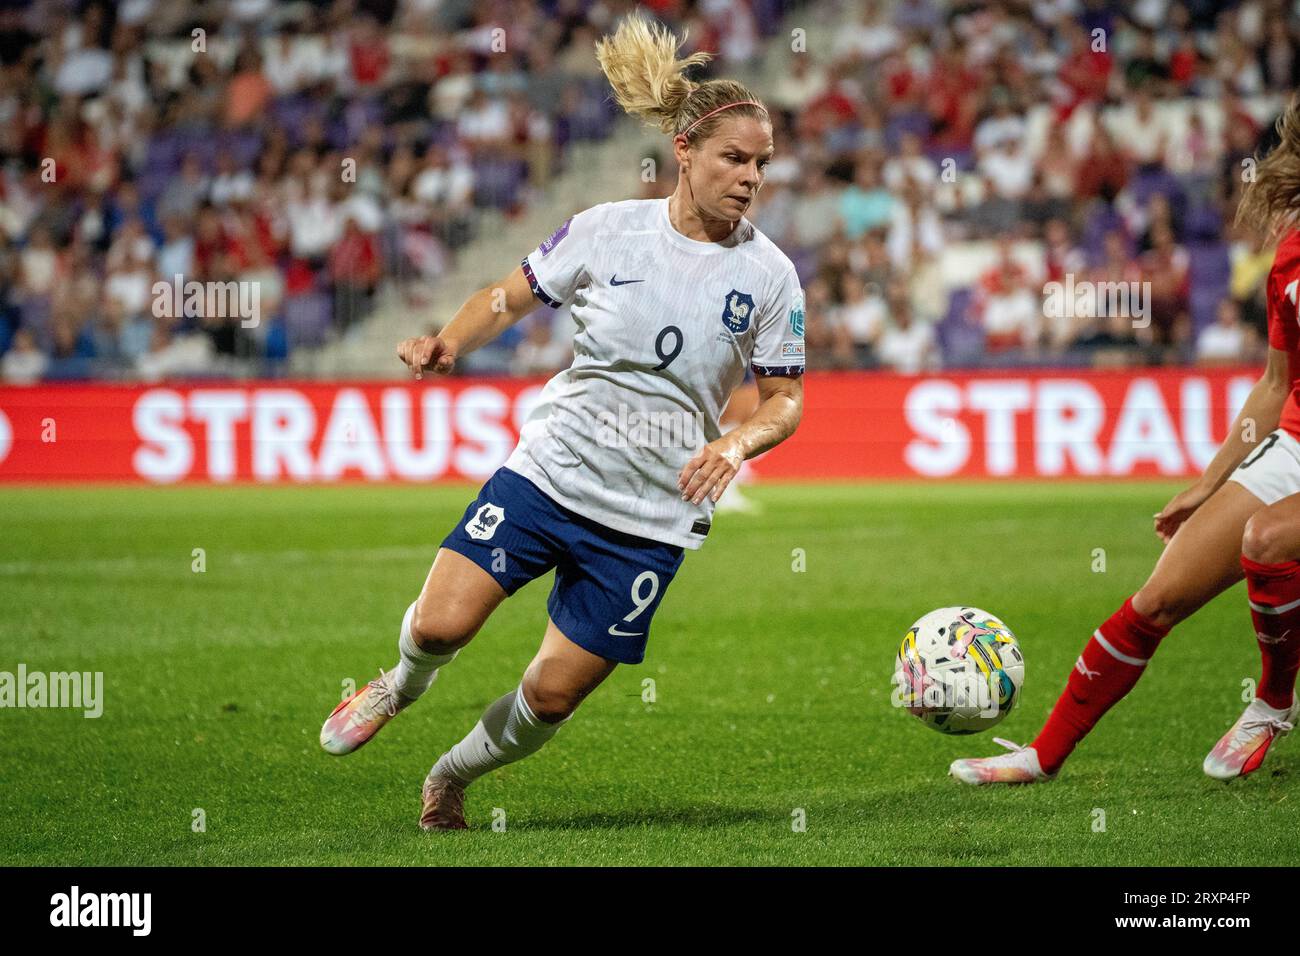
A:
<point x="665" y="327"/>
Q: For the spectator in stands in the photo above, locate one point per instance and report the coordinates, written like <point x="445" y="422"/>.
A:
<point x="484" y="124"/>
<point x="866" y="204"/>
<point x="1007" y="306"/>
<point x="24" y="363"/>
<point x="170" y="356"/>
<point x="355" y="271"/>
<point x="445" y="190"/>
<point x="870" y="38"/>
<point x="911" y="165"/>
<point x="1251" y="261"/>
<point x="1104" y="171"/>
<point x="825" y="337"/>
<point x="1009" y="171"/>
<point x="37" y="266"/>
<point x="231" y="183"/>
<point x="1228" y="341"/>
<point x="862" y="315"/>
<point x="1165" y="267"/>
<point x="915" y="233"/>
<point x="541" y="352"/>
<point x="815" y="217"/>
<point x="1059" y="168"/>
<point x="186" y="192"/>
<point x="1061" y="256"/>
<point x="795" y="86"/>
<point x="906" y="346"/>
<point x="1104" y="332"/>
<point x="870" y="258"/>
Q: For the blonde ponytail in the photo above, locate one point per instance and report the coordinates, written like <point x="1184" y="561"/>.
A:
<point x="640" y="61"/>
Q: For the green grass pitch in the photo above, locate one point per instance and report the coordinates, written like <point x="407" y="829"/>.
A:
<point x="772" y="688"/>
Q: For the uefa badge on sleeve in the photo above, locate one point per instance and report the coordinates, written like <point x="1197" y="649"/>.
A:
<point x="735" y="316"/>
<point x="553" y="240"/>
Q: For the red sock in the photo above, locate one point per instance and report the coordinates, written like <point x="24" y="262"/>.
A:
<point x="1274" y="591"/>
<point x="1107" y="669"/>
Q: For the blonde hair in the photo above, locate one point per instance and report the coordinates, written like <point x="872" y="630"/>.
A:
<point x="1272" y="202"/>
<point x="640" y="61"/>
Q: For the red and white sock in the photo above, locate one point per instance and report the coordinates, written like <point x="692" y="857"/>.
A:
<point x="1109" y="666"/>
<point x="1274" y="592"/>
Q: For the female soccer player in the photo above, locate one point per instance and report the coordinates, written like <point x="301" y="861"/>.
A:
<point x="618" y="469"/>
<point x="1227" y="521"/>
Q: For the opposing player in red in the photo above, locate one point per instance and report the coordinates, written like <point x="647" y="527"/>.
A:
<point x="1240" y="516"/>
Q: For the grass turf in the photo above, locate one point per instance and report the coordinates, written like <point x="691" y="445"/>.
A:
<point x="772" y="688"/>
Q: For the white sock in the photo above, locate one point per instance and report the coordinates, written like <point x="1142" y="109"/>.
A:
<point x="507" y="731"/>
<point x="417" y="669"/>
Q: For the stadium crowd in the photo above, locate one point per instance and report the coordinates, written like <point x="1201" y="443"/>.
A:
<point x="947" y="166"/>
<point x="937" y="169"/>
<point x="311" y="151"/>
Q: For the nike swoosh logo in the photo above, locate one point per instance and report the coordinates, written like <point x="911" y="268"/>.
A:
<point x="614" y="280"/>
<point x="615" y="632"/>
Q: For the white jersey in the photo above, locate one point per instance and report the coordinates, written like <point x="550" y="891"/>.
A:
<point x="665" y="327"/>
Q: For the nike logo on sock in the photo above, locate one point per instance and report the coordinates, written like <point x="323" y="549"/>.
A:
<point x="614" y="280"/>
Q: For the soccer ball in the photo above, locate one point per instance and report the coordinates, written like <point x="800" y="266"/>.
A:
<point x="959" y="670"/>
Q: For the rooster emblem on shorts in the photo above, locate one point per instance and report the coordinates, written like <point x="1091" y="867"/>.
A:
<point x="483" y="525"/>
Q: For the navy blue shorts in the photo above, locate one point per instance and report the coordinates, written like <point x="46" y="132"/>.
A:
<point x="607" y="583"/>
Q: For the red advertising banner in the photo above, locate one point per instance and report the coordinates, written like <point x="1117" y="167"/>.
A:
<point x="1020" y="424"/>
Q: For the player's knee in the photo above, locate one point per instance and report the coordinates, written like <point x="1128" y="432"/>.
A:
<point x="1265" y="539"/>
<point x="549" y="701"/>
<point x="440" y="630"/>
<point x="1162" y="606"/>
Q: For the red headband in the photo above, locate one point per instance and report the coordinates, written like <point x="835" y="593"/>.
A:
<point x="719" y="110"/>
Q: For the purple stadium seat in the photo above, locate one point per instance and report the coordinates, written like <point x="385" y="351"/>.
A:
<point x="497" y="182"/>
<point x="959" y="337"/>
<point x="307" y="319"/>
<point x="1210" y="272"/>
<point x="35" y="316"/>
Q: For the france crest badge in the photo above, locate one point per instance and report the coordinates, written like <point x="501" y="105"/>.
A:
<point x="739" y="306"/>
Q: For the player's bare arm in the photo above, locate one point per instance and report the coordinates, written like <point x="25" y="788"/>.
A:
<point x="484" y="316"/>
<point x="780" y="407"/>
